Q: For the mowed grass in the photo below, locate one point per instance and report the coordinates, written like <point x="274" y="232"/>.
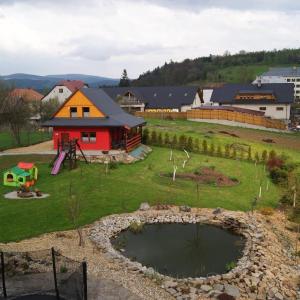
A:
<point x="7" y="141"/>
<point x="288" y="143"/>
<point x="123" y="189"/>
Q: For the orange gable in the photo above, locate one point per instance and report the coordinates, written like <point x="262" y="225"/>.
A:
<point x="79" y="101"/>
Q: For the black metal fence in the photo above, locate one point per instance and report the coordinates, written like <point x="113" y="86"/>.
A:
<point x="46" y="273"/>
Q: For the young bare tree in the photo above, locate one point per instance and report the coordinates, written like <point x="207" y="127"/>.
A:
<point x="74" y="208"/>
<point x="14" y="112"/>
<point x="48" y="108"/>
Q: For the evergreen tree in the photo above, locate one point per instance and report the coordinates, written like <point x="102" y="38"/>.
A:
<point x="256" y="157"/>
<point x="272" y="154"/>
<point x="212" y="149"/>
<point x="182" y="142"/>
<point x="219" y="151"/>
<point x="249" y="153"/>
<point x="190" y="145"/>
<point x="153" y="137"/>
<point x="234" y="154"/>
<point x="264" y="156"/>
<point x="204" y="146"/>
<point x="227" y="150"/>
<point x="124" y="81"/>
<point x="159" y="140"/>
<point x="145" y="137"/>
<point x="196" y="146"/>
<point x="167" y="141"/>
<point x="174" y="142"/>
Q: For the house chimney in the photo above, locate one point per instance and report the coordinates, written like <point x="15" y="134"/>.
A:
<point x="259" y="82"/>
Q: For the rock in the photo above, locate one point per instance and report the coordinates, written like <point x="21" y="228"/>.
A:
<point x="218" y="287"/>
<point x="232" y="290"/>
<point x="185" y="208"/>
<point x="206" y="288"/>
<point x="144" y="206"/>
<point x="170" y="284"/>
<point x="217" y="211"/>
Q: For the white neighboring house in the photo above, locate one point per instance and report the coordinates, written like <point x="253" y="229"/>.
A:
<point x="274" y="99"/>
<point x="282" y="75"/>
<point x="64" y="89"/>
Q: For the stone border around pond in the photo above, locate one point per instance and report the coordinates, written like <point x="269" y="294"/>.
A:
<point x="240" y="283"/>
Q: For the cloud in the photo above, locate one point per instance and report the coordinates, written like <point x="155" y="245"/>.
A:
<point x="103" y="37"/>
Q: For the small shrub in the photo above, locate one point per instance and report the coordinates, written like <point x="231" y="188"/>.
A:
<point x="63" y="269"/>
<point x="136" y="227"/>
<point x="272" y="154"/>
<point x="234" y="153"/>
<point x="274" y="162"/>
<point x="266" y="211"/>
<point x="229" y="266"/>
<point x="278" y="176"/>
<point x="113" y="165"/>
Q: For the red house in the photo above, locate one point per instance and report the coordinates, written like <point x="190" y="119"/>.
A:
<point x="96" y="121"/>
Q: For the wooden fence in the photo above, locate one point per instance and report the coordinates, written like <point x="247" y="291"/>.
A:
<point x="217" y="114"/>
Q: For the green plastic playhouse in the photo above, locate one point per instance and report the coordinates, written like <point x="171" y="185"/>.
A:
<point x="23" y="174"/>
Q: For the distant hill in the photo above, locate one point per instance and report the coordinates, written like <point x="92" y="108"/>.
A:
<point x="240" y="68"/>
<point x="42" y="83"/>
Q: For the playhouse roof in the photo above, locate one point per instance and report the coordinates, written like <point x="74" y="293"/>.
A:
<point x="25" y="165"/>
<point x="18" y="171"/>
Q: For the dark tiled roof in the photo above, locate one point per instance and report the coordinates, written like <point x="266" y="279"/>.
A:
<point x="286" y="72"/>
<point x="158" y="96"/>
<point x="283" y="92"/>
<point x="115" y="116"/>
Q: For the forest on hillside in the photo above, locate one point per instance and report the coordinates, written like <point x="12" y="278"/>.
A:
<point x="241" y="67"/>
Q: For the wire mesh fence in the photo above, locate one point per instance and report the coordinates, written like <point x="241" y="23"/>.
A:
<point x="45" y="273"/>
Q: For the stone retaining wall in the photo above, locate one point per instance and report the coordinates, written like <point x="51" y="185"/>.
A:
<point x="264" y="272"/>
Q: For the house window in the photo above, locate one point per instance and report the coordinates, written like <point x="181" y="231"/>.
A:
<point x="288" y="80"/>
<point x="85" y="112"/>
<point x="60" y="91"/>
<point x="185" y="94"/>
<point x="170" y="94"/>
<point x="73" y="112"/>
<point x="88" y="137"/>
<point x="154" y="94"/>
<point x="279" y="108"/>
<point x="298" y="79"/>
<point x="262" y="108"/>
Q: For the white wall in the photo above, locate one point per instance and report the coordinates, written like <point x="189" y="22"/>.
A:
<point x="55" y="93"/>
<point x="207" y="95"/>
<point x="270" y="111"/>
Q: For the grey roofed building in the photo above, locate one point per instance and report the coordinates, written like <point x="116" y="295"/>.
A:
<point x="283" y="72"/>
<point x="158" y="97"/>
<point x="115" y="116"/>
<point x="282" y="92"/>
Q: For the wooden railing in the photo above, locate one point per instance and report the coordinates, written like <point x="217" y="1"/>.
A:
<point x="133" y="142"/>
<point x="217" y="114"/>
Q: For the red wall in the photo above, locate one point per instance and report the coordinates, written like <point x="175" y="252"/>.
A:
<point x="103" y="137"/>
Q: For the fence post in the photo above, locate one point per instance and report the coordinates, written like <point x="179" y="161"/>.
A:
<point x="84" y="274"/>
<point x="54" y="272"/>
<point x="3" y="274"/>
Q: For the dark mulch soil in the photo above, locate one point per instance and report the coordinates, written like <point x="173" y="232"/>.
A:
<point x="208" y="176"/>
<point x="269" y="141"/>
<point x="229" y="133"/>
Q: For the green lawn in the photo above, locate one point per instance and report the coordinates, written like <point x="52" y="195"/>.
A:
<point x="27" y="138"/>
<point x="123" y="189"/>
<point x="288" y="143"/>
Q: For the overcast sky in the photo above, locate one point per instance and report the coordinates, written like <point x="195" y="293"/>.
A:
<point x="101" y="37"/>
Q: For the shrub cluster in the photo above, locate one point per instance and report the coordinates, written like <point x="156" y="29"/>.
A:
<point x="209" y="148"/>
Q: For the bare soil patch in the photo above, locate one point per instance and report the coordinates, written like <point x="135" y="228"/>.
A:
<point x="208" y="176"/>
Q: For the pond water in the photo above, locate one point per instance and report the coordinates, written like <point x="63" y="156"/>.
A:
<point x="182" y="250"/>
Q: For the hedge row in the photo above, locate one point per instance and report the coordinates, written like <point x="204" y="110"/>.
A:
<point x="194" y="145"/>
